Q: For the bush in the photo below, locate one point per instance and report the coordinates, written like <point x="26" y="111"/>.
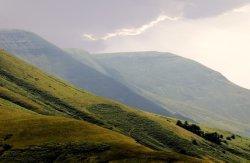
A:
<point x="183" y="151"/>
<point x="193" y="127"/>
<point x="179" y="123"/>
<point x="213" y="137"/>
<point x="224" y="141"/>
<point x="8" y="136"/>
<point x="6" y="147"/>
<point x="194" y="142"/>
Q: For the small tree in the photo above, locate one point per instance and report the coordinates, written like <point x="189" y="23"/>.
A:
<point x="186" y="123"/>
<point x="179" y="123"/>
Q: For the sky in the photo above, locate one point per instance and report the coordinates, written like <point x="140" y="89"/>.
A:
<point x="215" y="33"/>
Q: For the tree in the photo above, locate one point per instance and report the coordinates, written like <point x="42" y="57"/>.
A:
<point x="213" y="137"/>
<point x="179" y="123"/>
<point x="186" y="123"/>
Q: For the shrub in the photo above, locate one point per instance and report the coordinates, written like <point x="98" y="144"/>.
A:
<point x="193" y="127"/>
<point x="179" y="123"/>
<point x="183" y="151"/>
<point x="224" y="141"/>
<point x="213" y="137"/>
<point x="6" y="147"/>
<point x="8" y="136"/>
<point x="194" y="142"/>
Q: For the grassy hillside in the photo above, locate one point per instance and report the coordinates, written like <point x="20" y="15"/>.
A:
<point x="37" y="137"/>
<point x="42" y="137"/>
<point x="183" y="86"/>
<point x="45" y="118"/>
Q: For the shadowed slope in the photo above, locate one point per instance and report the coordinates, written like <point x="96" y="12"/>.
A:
<point x="55" y="61"/>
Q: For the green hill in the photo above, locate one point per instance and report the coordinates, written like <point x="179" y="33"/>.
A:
<point x="47" y="120"/>
<point x="43" y="118"/>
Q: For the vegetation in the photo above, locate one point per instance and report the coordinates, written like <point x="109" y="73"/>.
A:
<point x="213" y="137"/>
<point x="183" y="86"/>
<point x="230" y="137"/>
<point x="40" y="114"/>
<point x="142" y="129"/>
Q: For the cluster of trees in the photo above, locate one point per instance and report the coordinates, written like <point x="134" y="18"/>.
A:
<point x="213" y="137"/>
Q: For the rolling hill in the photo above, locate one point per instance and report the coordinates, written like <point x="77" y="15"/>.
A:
<point x="45" y="119"/>
<point x="51" y="59"/>
<point x="182" y="86"/>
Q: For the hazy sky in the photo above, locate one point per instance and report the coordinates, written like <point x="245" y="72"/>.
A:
<point x="213" y="32"/>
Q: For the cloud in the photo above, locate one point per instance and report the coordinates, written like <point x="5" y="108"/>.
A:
<point x="196" y="9"/>
<point x="132" y="31"/>
<point x="89" y="37"/>
<point x="243" y="9"/>
<point x="220" y="42"/>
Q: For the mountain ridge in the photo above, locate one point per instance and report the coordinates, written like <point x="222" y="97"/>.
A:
<point x="172" y="73"/>
<point x="55" y="61"/>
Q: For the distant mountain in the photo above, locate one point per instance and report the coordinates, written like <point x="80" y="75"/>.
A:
<point x="51" y="59"/>
<point x="183" y="86"/>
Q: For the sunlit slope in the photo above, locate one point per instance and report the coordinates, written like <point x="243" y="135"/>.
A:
<point x="30" y="128"/>
<point x="52" y="106"/>
<point x="35" y="137"/>
<point x="28" y="96"/>
<point x="183" y="86"/>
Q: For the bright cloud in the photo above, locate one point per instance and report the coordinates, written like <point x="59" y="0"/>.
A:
<point x="220" y="42"/>
<point x="132" y="31"/>
<point x="243" y="9"/>
<point x="89" y="37"/>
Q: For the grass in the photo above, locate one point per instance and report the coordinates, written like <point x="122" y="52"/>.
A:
<point x="142" y="129"/>
<point x="29" y="128"/>
<point x="49" y="138"/>
<point x="146" y="129"/>
<point x="40" y="110"/>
